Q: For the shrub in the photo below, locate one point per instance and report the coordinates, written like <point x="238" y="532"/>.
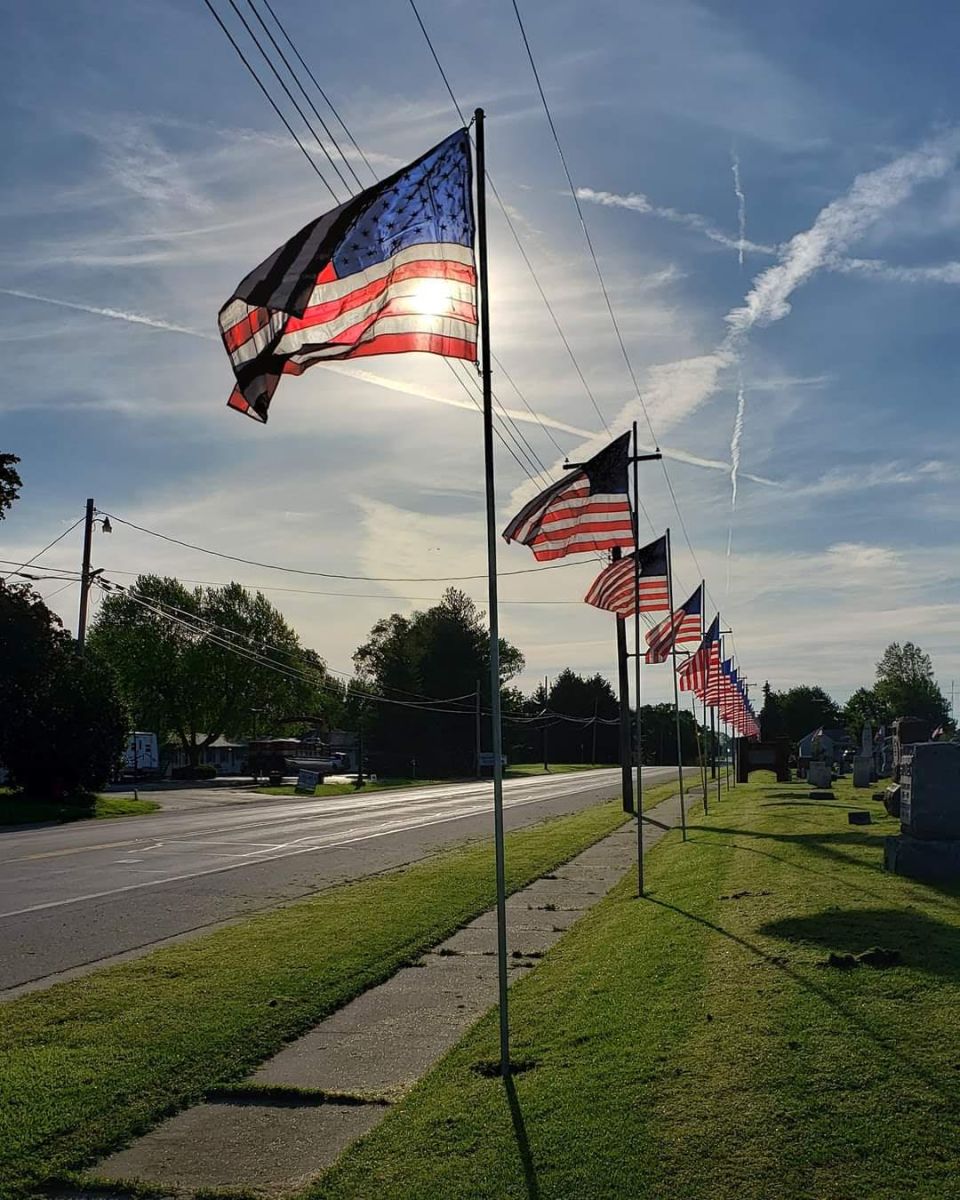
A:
<point x="200" y="771"/>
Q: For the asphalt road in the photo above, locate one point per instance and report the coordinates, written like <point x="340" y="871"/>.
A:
<point x="73" y="897"/>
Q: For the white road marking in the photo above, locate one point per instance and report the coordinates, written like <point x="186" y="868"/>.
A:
<point x="380" y="832"/>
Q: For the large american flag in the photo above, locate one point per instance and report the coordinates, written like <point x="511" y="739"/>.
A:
<point x="388" y="271"/>
<point x="616" y="589"/>
<point x="588" y="510"/>
<point x="683" y="625"/>
<point x="703" y="664"/>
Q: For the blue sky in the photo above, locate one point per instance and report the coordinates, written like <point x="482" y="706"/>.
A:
<point x="145" y="175"/>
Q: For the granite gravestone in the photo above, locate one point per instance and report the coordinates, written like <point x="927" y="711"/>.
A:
<point x="929" y="844"/>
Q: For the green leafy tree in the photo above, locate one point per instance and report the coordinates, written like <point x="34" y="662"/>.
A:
<point x="865" y="707"/>
<point x="441" y="653"/>
<point x="584" y="697"/>
<point x="10" y="483"/>
<point x="804" y="709"/>
<point x="906" y="686"/>
<point x="658" y="731"/>
<point x="771" y="715"/>
<point x="62" y="723"/>
<point x="178" y="677"/>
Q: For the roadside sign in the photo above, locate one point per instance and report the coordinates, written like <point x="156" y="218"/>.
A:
<point x="307" y="781"/>
<point x="486" y="759"/>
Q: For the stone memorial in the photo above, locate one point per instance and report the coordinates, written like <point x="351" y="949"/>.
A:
<point x="819" y="774"/>
<point x="863" y="767"/>
<point x="928" y="847"/>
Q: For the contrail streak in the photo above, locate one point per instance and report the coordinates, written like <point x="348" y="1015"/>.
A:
<point x="741" y="205"/>
<point x="735" y="442"/>
<point x="114" y="314"/>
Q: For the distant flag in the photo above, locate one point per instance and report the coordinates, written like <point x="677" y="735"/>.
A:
<point x="388" y="271"/>
<point x="588" y="510"/>
<point x="695" y="673"/>
<point x="937" y="733"/>
<point x="682" y="625"/>
<point x="615" y="588"/>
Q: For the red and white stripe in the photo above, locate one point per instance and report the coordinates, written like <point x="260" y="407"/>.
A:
<point x="421" y="298"/>
<point x="679" y="626"/>
<point x="615" y="589"/>
<point x="575" y="521"/>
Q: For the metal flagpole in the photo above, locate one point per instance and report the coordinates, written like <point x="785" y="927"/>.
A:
<point x="676" y="694"/>
<point x="715" y="710"/>
<point x="703" y="630"/>
<point x="623" y="677"/>
<point x="496" y="739"/>
<point x="636" y="646"/>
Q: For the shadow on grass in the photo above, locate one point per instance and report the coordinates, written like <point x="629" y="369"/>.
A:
<point x="795" y="803"/>
<point x="947" y="1090"/>
<point x="523" y="1142"/>
<point x="925" y="943"/>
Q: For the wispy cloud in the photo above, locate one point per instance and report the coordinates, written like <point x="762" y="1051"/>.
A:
<point x="639" y="203"/>
<point x="948" y="272"/>
<point x="872" y="195"/>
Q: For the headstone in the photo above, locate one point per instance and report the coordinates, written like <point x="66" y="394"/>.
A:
<point x="819" y="775"/>
<point x="862" y="771"/>
<point x="866" y="748"/>
<point x="929" y="793"/>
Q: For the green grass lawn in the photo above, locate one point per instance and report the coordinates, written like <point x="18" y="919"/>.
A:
<point x="695" y="1045"/>
<point x="88" y="1064"/>
<point x="17" y="809"/>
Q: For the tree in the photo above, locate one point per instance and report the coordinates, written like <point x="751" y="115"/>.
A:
<point x="658" y="731"/>
<point x="771" y="715"/>
<point x="587" y="698"/>
<point x="194" y="676"/>
<point x="62" y="723"/>
<point x="10" y="482"/>
<point x="906" y="686"/>
<point x="441" y="654"/>
<point x="865" y="707"/>
<point x="804" y="709"/>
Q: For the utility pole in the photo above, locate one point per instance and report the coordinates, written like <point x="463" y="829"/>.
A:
<point x="593" y="754"/>
<point x="546" y="705"/>
<point x="85" y="575"/>
<point x="477" y="730"/>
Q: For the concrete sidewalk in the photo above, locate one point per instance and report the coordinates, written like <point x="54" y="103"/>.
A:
<point x="303" y="1107"/>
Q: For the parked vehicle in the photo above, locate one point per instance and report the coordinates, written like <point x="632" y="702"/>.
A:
<point x="141" y="757"/>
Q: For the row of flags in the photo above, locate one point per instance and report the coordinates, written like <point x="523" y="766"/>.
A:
<point x="392" y="270"/>
<point x="590" y="511"/>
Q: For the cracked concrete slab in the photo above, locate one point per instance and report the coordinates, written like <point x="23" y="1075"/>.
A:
<point x="262" y="1148"/>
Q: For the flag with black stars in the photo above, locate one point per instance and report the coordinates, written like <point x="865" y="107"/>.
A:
<point x="389" y="271"/>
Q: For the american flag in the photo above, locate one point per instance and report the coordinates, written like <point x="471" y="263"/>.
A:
<point x="615" y="588"/>
<point x="388" y="271"/>
<point x="682" y="625"/>
<point x="588" y="510"/>
<point x="696" y="672"/>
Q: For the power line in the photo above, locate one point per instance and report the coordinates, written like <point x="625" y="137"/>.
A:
<point x="270" y="100"/>
<point x="512" y="227"/>
<point x="313" y="80"/>
<point x="603" y="287"/>
<point x="289" y="94"/>
<point x="583" y="223"/>
<point x="49" y="545"/>
<point x="250" y="562"/>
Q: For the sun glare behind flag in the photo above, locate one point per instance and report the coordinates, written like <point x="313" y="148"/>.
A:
<point x="587" y="510"/>
<point x="616" y="587"/>
<point x="389" y="271"/>
<point x="680" y="626"/>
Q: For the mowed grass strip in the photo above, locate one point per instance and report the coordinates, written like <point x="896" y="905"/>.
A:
<point x="696" y="1046"/>
<point x="86" y="1065"/>
<point x="17" y="809"/>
